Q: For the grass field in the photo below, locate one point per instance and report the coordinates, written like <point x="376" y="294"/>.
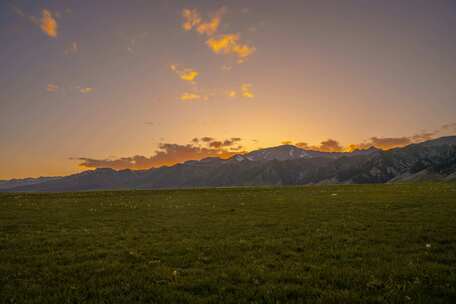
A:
<point x="316" y="244"/>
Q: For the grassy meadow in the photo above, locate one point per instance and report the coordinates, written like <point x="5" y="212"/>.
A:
<point x="313" y="244"/>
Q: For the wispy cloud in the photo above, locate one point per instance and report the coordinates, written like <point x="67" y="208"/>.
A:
<point x="203" y="94"/>
<point x="52" y="88"/>
<point x="232" y="93"/>
<point x="48" y="24"/>
<point x="186" y="74"/>
<point x="449" y="127"/>
<point x="18" y="11"/>
<point x="73" y="48"/>
<point x="86" y="90"/>
<point x="226" y="68"/>
<point x="191" y="96"/>
<point x="134" y="41"/>
<point x="244" y="92"/>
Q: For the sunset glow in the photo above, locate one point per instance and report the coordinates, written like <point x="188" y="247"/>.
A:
<point x="142" y="84"/>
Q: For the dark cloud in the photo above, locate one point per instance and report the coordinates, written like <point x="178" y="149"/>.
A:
<point x="215" y="144"/>
<point x="449" y="127"/>
<point x="329" y="145"/>
<point x="231" y="142"/>
<point x="384" y="143"/>
<point x="303" y="145"/>
<point x="169" y="154"/>
<point x="423" y="136"/>
<point x="118" y="164"/>
<point x="206" y="139"/>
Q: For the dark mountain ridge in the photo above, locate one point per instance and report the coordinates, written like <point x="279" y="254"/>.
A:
<point x="282" y="165"/>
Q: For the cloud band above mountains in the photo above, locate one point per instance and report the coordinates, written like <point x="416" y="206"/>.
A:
<point x="170" y="154"/>
<point x="199" y="148"/>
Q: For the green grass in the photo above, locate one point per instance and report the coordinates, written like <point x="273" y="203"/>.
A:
<point x="321" y="244"/>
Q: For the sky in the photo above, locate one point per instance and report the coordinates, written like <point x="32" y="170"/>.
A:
<point x="144" y="83"/>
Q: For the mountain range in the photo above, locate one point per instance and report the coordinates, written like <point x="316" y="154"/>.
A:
<point x="282" y="165"/>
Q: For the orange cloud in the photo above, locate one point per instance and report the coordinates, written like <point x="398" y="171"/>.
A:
<point x="224" y="44"/>
<point x="229" y="44"/>
<point x="86" y="90"/>
<point x="191" y="96"/>
<point x="193" y="20"/>
<point x="210" y="28"/>
<point x="169" y="154"/>
<point x="203" y="147"/>
<point x="231" y="93"/>
<point x="52" y="88"/>
<point x="246" y="90"/>
<point x="48" y="24"/>
<point x="185" y="74"/>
